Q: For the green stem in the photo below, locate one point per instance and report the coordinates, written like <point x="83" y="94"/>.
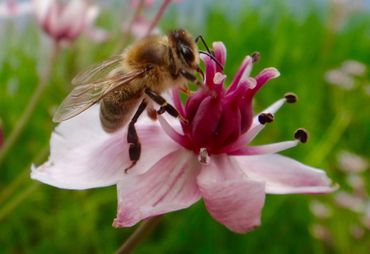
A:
<point x="334" y="133"/>
<point x="127" y="32"/>
<point x="140" y="233"/>
<point x="7" y="209"/>
<point x="138" y="10"/>
<point x="31" y="106"/>
<point x="158" y="16"/>
<point x="22" y="177"/>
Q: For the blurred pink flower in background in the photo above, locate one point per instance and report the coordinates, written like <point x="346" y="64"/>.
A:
<point x="145" y="3"/>
<point x="139" y="27"/>
<point x="349" y="162"/>
<point x="346" y="75"/>
<point x="66" y="21"/>
<point x="13" y="8"/>
<point x="207" y="158"/>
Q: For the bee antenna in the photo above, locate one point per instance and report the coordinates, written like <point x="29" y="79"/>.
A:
<point x="208" y="52"/>
<point x="200" y="37"/>
<point x="212" y="57"/>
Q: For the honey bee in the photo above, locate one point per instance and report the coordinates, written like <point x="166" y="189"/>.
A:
<point x="132" y="80"/>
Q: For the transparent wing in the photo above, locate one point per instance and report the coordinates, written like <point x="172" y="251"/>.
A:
<point x="84" y="96"/>
<point x="97" y="71"/>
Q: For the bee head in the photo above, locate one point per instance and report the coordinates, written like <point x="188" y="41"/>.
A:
<point x="185" y="47"/>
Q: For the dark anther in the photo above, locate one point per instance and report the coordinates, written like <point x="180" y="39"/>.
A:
<point x="291" y="97"/>
<point x="265" y="118"/>
<point x="256" y="56"/>
<point x="301" y="134"/>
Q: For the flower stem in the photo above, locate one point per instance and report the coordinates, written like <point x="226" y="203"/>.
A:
<point x="128" y="30"/>
<point x="334" y="133"/>
<point x="158" y="16"/>
<point x="140" y="233"/>
<point x="138" y="10"/>
<point x="8" y="208"/>
<point x="27" y="113"/>
<point x="22" y="177"/>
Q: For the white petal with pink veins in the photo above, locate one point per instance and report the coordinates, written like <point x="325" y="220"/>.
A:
<point x="231" y="197"/>
<point x="283" y="175"/>
<point x="169" y="185"/>
<point x="83" y="156"/>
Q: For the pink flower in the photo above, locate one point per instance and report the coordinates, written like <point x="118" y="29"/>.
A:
<point x="65" y="22"/>
<point x="139" y="27"/>
<point x="146" y="3"/>
<point x="12" y="8"/>
<point x="208" y="158"/>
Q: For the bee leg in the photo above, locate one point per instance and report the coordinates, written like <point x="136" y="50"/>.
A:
<point x="189" y="76"/>
<point x="164" y="105"/>
<point x="132" y="137"/>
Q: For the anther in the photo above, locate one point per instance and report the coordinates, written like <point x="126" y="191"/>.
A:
<point x="203" y="156"/>
<point x="301" y="135"/>
<point x="265" y="118"/>
<point x="291" y="97"/>
<point x="256" y="56"/>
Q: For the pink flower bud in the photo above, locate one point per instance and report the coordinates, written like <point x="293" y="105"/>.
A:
<point x="65" y="22"/>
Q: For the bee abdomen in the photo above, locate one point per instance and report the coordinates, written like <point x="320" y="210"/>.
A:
<point x="117" y="109"/>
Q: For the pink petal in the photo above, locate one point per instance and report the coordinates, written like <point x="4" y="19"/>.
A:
<point x="220" y="52"/>
<point x="256" y="126"/>
<point x="174" y="134"/>
<point x="283" y="175"/>
<point x="264" y="149"/>
<point x="169" y="185"/>
<point x="210" y="71"/>
<point x="230" y="197"/>
<point x="263" y="77"/>
<point x="243" y="72"/>
<point x="84" y="156"/>
<point x="177" y="100"/>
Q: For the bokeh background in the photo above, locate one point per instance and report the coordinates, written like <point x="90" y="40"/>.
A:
<point x="322" y="49"/>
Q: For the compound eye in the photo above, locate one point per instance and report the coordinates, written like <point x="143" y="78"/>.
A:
<point x="187" y="54"/>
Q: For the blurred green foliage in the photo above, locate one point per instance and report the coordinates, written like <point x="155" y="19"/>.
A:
<point x="37" y="218"/>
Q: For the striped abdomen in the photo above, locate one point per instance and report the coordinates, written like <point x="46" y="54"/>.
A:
<point x="117" y="108"/>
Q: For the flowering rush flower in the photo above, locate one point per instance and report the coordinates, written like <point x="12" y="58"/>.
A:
<point x="209" y="157"/>
<point x="65" y="22"/>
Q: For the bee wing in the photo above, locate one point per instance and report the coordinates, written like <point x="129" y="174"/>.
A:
<point x="97" y="71"/>
<point x="84" y="96"/>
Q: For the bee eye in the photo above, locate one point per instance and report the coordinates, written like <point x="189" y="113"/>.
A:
<point x="187" y="54"/>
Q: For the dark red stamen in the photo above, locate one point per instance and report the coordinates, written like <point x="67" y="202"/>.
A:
<point x="291" y="97"/>
<point x="301" y="134"/>
<point x="256" y="56"/>
<point x="265" y="118"/>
